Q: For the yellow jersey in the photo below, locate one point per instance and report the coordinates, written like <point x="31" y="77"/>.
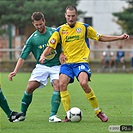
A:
<point x="75" y="41"/>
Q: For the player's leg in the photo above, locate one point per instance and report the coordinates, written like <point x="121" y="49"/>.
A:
<point x="83" y="74"/>
<point x="12" y="115"/>
<point x="65" y="97"/>
<point x="64" y="80"/>
<point x="36" y="80"/>
<point x="83" y="80"/>
<point x="55" y="102"/>
<point x="27" y="98"/>
<point x="55" y="99"/>
<point x="4" y="105"/>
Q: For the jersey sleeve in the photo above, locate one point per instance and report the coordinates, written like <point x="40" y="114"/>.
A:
<point x="54" y="40"/>
<point x="26" y="50"/>
<point x="93" y="34"/>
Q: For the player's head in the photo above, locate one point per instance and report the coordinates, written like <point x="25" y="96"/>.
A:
<point x="71" y="15"/>
<point x="38" y="21"/>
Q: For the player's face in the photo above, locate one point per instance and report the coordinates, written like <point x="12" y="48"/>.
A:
<point x="39" y="25"/>
<point x="71" y="17"/>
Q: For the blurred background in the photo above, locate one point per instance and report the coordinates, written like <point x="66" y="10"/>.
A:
<point x="108" y="17"/>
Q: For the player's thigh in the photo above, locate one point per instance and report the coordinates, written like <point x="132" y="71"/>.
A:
<point x="66" y="74"/>
<point x="32" y="85"/>
<point x="63" y="80"/>
<point x="82" y="71"/>
<point x="83" y="77"/>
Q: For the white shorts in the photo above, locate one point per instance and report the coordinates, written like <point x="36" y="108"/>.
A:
<point x="41" y="74"/>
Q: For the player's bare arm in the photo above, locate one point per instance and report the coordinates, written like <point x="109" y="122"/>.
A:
<point x="62" y="58"/>
<point x="46" y="52"/>
<point x="18" y="66"/>
<point x="105" y="38"/>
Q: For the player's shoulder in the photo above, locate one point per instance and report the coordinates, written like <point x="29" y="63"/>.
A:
<point x="82" y="24"/>
<point x="32" y="36"/>
<point x="50" y="28"/>
<point x="61" y="27"/>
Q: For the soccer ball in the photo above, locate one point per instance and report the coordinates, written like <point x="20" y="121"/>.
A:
<point x="74" y="114"/>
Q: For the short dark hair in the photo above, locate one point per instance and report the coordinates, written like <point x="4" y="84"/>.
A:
<point x="37" y="16"/>
<point x="71" y="7"/>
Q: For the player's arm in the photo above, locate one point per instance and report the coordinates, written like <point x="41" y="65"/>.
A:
<point x="19" y="64"/>
<point x="105" y="38"/>
<point x="93" y="34"/>
<point x="62" y="58"/>
<point x="24" y="54"/>
<point x="52" y="43"/>
<point x="46" y="52"/>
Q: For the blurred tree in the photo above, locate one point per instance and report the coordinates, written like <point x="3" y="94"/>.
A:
<point x="19" y="12"/>
<point x="125" y="18"/>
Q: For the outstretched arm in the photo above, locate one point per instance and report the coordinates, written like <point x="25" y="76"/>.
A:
<point x="46" y="52"/>
<point x="19" y="64"/>
<point x="105" y="38"/>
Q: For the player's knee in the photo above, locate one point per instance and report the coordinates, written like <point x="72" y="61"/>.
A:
<point x="62" y="86"/>
<point x="83" y="84"/>
<point x="30" y="89"/>
<point x="55" y="84"/>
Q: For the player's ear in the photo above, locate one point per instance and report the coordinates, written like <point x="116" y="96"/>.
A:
<point x="33" y="23"/>
<point x="65" y="15"/>
<point x="44" y="21"/>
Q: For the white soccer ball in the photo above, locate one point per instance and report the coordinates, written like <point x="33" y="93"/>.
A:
<point x="74" y="114"/>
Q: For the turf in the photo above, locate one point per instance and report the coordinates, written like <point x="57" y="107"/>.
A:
<point x="113" y="91"/>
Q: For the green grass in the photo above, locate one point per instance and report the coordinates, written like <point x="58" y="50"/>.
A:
<point x="113" y="91"/>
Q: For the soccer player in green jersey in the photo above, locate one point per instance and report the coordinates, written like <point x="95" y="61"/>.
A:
<point x="36" y="44"/>
<point x="74" y="37"/>
<point x="12" y="115"/>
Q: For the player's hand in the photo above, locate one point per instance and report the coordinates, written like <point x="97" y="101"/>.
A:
<point x="12" y="74"/>
<point x="42" y="58"/>
<point x="62" y="58"/>
<point x="125" y="36"/>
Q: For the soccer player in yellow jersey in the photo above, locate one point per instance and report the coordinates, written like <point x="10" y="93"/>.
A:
<point x="75" y="44"/>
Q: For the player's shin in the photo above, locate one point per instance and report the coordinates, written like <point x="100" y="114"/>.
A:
<point x="55" y="103"/>
<point x="26" y="100"/>
<point x="65" y="99"/>
<point x="4" y="104"/>
<point x="93" y="101"/>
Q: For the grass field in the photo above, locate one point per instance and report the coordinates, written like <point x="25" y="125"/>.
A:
<point x="113" y="91"/>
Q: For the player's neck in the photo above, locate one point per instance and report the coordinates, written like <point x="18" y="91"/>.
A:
<point x="44" y="31"/>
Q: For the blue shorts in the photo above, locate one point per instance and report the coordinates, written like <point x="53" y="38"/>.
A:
<point x="75" y="69"/>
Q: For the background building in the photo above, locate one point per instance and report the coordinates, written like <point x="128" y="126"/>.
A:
<point x="99" y="14"/>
